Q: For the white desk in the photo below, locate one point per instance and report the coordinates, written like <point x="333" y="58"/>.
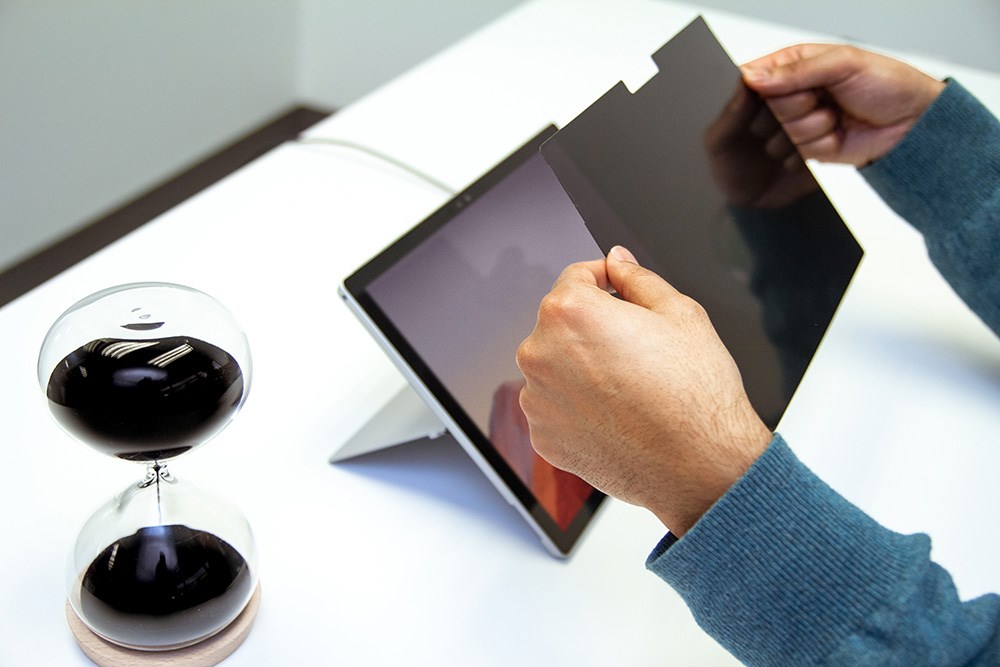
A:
<point x="409" y="556"/>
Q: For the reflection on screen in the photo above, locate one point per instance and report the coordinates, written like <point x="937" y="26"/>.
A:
<point x="468" y="295"/>
<point x="693" y="174"/>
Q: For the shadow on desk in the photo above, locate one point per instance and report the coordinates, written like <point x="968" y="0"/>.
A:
<point x="440" y="468"/>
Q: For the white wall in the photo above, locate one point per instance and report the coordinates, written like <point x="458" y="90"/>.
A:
<point x="966" y="32"/>
<point x="349" y="47"/>
<point x="101" y="99"/>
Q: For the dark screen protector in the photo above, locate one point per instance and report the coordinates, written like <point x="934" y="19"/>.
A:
<point x="695" y="176"/>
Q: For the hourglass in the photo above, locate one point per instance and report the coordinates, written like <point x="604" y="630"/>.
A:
<point x="147" y="372"/>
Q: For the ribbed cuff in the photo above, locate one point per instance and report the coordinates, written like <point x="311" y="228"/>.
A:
<point x="781" y="568"/>
<point x="945" y="167"/>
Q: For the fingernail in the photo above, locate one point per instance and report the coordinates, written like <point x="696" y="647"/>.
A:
<point x="622" y="255"/>
<point x="755" y="74"/>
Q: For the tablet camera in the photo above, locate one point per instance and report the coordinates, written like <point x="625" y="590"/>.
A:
<point x="146" y="373"/>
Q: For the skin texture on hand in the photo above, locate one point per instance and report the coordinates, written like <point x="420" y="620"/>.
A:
<point x="839" y="103"/>
<point x="637" y="395"/>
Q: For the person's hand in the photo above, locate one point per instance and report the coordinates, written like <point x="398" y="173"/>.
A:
<point x="753" y="162"/>
<point x="839" y="103"/>
<point x="638" y="396"/>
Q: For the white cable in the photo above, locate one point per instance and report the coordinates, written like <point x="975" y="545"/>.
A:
<point x="344" y="143"/>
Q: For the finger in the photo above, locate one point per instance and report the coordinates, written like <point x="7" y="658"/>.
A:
<point x="593" y="273"/>
<point x="787" y="55"/>
<point x="828" y="148"/>
<point x="812" y="127"/>
<point x="791" y="107"/>
<point x="779" y="146"/>
<point x="800" y="68"/>
<point x="638" y="285"/>
<point x="764" y="124"/>
<point x="794" y="163"/>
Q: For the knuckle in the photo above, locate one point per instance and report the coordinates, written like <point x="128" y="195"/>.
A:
<point x="525" y="357"/>
<point x="524" y="400"/>
<point x="690" y="309"/>
<point x="559" y="305"/>
<point x="851" y="52"/>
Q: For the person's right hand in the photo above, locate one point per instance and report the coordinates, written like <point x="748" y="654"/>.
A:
<point x="638" y="395"/>
<point x="839" y="103"/>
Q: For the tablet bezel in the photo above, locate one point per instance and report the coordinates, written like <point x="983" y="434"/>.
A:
<point x="354" y="291"/>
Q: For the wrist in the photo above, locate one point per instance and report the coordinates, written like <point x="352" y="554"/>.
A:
<point x="689" y="493"/>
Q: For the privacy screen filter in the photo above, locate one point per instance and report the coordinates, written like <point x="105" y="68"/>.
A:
<point x="696" y="177"/>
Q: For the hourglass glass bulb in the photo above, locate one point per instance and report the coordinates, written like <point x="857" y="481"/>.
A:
<point x="145" y="373"/>
<point x="162" y="565"/>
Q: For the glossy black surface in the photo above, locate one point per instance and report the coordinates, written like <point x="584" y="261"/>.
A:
<point x="145" y="400"/>
<point x="164" y="586"/>
<point x="695" y="176"/>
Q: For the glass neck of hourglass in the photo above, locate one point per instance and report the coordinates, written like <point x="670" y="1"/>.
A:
<point x="156" y="472"/>
<point x="158" y="476"/>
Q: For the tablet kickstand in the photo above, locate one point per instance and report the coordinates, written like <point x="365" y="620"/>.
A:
<point x="404" y="418"/>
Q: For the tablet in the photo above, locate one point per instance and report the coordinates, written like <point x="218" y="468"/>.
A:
<point x="688" y="173"/>
<point x="451" y="300"/>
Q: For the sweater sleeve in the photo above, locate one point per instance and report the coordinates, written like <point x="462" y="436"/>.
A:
<point x="784" y="571"/>
<point x="944" y="178"/>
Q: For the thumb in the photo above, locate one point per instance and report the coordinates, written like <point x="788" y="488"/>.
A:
<point x="636" y="284"/>
<point x="799" y="68"/>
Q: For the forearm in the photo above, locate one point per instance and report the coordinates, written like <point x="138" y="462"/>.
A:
<point x="783" y="570"/>
<point x="944" y="178"/>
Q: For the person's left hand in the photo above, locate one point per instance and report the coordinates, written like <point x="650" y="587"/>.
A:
<point x="638" y="396"/>
<point x="753" y="161"/>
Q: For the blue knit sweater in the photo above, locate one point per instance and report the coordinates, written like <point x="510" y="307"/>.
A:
<point x="784" y="571"/>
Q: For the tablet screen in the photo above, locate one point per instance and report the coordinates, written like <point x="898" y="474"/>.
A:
<point x="457" y="295"/>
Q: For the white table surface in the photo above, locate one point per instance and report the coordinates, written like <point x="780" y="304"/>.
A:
<point x="409" y="556"/>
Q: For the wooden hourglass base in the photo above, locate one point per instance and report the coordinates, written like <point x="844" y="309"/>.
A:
<point x="206" y="653"/>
